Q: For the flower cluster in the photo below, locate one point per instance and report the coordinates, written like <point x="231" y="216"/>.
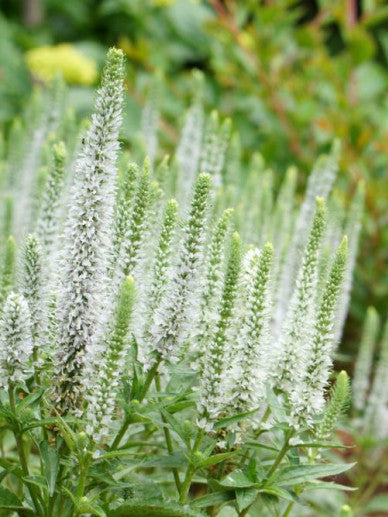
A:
<point x="87" y="241"/>
<point x="45" y="61"/>
<point x="178" y="286"/>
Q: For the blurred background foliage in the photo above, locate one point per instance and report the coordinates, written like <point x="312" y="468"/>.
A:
<point x="293" y="75"/>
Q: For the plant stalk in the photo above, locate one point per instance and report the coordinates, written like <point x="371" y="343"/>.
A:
<point x="167" y="436"/>
<point x="21" y="453"/>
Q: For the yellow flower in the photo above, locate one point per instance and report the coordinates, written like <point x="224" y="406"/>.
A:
<point x="163" y="3"/>
<point x="44" y="62"/>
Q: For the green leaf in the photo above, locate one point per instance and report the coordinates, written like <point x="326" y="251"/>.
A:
<point x="139" y="491"/>
<point x="237" y="479"/>
<point x="38" y="481"/>
<point x="321" y="485"/>
<point x="11" y="468"/>
<point x="173" y="460"/>
<point x="9" y="500"/>
<point x="30" y="399"/>
<point x="225" y="422"/>
<point x="293" y="475"/>
<point x="278" y="492"/>
<point x="66" y="432"/>
<point x="179" y="406"/>
<point x="213" y="499"/>
<point x="245" y="497"/>
<point x="378" y="504"/>
<point x="324" y="445"/>
<point x="276" y="408"/>
<point x="216" y="458"/>
<point x="40" y="423"/>
<point x="137" y="509"/>
<point x="176" y="425"/>
<point x="257" y="445"/>
<point x="120" y="453"/>
<point x="270" y="502"/>
<point x="50" y="459"/>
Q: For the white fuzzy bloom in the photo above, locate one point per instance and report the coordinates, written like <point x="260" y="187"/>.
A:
<point x="258" y="198"/>
<point x="149" y="122"/>
<point x="352" y="230"/>
<point x="51" y="105"/>
<point x="168" y="331"/>
<point x="15" y="340"/>
<point x="213" y="395"/>
<point x="32" y="286"/>
<point x="378" y="397"/>
<point x="233" y="162"/>
<point x="153" y="293"/>
<point x="307" y="395"/>
<point x="107" y="370"/>
<point x="123" y="208"/>
<point x="297" y="329"/>
<point x="136" y="227"/>
<point x="363" y="366"/>
<point x="48" y="220"/>
<point x="282" y="222"/>
<point x="87" y="243"/>
<point x="188" y="151"/>
<point x="14" y="158"/>
<point x="211" y="286"/>
<point x="214" y="148"/>
<point x="319" y="184"/>
<point x="251" y="357"/>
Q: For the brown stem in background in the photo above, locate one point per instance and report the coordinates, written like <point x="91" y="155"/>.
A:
<point x="276" y="103"/>
<point x="32" y="13"/>
<point x="351" y="22"/>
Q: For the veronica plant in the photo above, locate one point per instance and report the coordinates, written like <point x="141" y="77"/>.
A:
<point x="185" y="361"/>
<point x="367" y="428"/>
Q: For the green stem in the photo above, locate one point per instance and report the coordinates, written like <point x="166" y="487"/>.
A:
<point x="281" y="454"/>
<point x="266" y="415"/>
<point x="53" y="498"/>
<point x="84" y="467"/>
<point x="150" y="377"/>
<point x="21" y="453"/>
<point x="287" y="511"/>
<point x="364" y="495"/>
<point x="37" y="386"/>
<point x="121" y="433"/>
<point x="190" y="470"/>
<point x="36" y="373"/>
<point x="124" y="426"/>
<point x="84" y="463"/>
<point x="167" y="436"/>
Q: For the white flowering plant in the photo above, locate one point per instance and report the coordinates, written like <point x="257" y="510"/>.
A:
<point x="168" y="328"/>
<point x="366" y="431"/>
